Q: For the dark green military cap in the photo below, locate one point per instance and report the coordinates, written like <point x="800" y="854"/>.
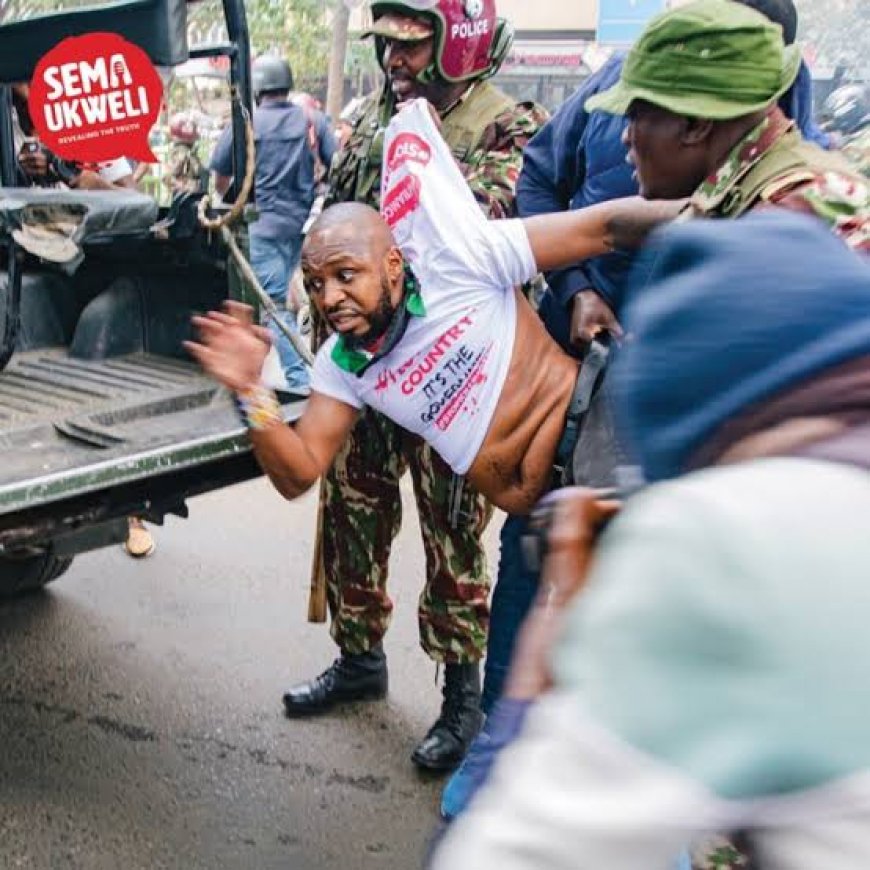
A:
<point x="713" y="59"/>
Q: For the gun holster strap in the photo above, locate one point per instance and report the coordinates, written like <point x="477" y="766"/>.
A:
<point x="585" y="387"/>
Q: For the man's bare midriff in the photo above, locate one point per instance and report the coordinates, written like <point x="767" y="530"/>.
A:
<point x="514" y="465"/>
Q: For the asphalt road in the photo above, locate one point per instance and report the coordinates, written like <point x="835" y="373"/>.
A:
<point x="140" y="715"/>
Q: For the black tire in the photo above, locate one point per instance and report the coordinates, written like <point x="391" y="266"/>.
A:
<point x="29" y="572"/>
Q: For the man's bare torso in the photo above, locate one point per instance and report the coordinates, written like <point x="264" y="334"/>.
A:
<point x="514" y="465"/>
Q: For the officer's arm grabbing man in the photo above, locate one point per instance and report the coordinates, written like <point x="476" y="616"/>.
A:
<point x="490" y="418"/>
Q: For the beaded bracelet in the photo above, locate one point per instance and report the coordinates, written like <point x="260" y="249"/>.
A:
<point x="258" y="407"/>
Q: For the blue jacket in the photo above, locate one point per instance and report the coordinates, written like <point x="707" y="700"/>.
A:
<point x="284" y="180"/>
<point x="578" y="159"/>
<point x="797" y="103"/>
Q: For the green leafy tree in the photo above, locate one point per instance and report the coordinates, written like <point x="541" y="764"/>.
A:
<point x="295" y="29"/>
<point x="13" y="10"/>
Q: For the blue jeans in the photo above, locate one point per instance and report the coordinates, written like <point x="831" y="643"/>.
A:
<point x="273" y="261"/>
<point x="512" y="599"/>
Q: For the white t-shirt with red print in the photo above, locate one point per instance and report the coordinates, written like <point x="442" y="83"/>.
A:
<point x="444" y="378"/>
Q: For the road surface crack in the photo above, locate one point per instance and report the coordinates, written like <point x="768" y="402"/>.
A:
<point x="133" y="733"/>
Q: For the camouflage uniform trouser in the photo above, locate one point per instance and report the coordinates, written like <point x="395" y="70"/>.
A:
<point x="362" y="513"/>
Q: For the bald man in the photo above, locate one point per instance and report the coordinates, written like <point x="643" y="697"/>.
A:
<point x="447" y="361"/>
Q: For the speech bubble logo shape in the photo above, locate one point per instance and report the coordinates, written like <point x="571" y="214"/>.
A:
<point x="95" y="98"/>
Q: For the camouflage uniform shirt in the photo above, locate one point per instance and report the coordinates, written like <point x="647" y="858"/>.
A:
<point x="835" y="195"/>
<point x="185" y="170"/>
<point x="491" y="163"/>
<point x="819" y="186"/>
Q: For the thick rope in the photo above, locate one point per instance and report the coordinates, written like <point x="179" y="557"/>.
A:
<point x="271" y="308"/>
<point x="223" y="223"/>
<point x="247" y="184"/>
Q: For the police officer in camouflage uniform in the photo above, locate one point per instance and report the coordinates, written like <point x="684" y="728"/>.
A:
<point x="443" y="50"/>
<point x="699" y="89"/>
<point x="185" y="172"/>
<point x="730" y="150"/>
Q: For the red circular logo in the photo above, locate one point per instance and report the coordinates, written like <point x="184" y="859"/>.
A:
<point x="95" y="98"/>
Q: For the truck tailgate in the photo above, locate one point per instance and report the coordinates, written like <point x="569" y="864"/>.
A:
<point x="69" y="426"/>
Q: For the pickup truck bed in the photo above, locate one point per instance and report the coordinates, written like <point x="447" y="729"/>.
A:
<point x="70" y="426"/>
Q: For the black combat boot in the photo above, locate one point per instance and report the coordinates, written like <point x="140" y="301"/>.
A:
<point x="350" y="677"/>
<point x="449" y="738"/>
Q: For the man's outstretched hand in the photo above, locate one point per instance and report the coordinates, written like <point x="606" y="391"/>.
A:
<point x="231" y="348"/>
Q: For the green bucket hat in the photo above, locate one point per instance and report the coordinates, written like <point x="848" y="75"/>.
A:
<point x="713" y="59"/>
